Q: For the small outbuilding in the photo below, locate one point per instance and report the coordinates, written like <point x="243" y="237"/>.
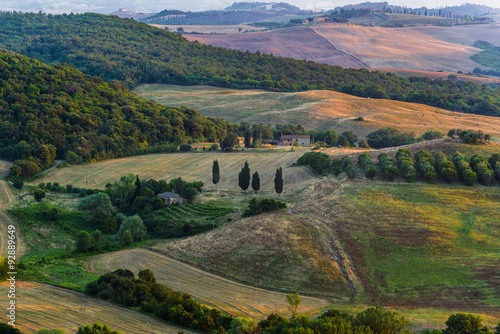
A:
<point x="172" y="198"/>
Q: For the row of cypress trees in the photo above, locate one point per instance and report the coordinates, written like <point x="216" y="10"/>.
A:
<point x="244" y="178"/>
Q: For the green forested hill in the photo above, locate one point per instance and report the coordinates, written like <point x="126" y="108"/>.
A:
<point x="48" y="111"/>
<point x="134" y="52"/>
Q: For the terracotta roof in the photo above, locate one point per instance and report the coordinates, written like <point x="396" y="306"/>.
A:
<point x="295" y="136"/>
<point x="168" y="194"/>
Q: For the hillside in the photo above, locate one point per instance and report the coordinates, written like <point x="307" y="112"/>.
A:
<point x="354" y="46"/>
<point x="134" y="52"/>
<point x="189" y="166"/>
<point x="45" y="306"/>
<point x="317" y="110"/>
<point x="212" y="290"/>
<point x="50" y="112"/>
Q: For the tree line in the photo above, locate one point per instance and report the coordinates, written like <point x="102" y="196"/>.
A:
<point x="134" y="53"/>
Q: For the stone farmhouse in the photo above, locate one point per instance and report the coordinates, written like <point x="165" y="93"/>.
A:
<point x="172" y="198"/>
<point x="290" y="140"/>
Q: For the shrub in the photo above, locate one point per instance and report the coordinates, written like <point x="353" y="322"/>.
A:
<point x="185" y="148"/>
<point x="449" y="175"/>
<point x="462" y="323"/>
<point x="17" y="183"/>
<point x="39" y="195"/>
<point x="469" y="177"/>
<point x="82" y="241"/>
<point x="127" y="238"/>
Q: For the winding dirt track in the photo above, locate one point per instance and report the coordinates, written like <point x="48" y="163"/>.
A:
<point x="6" y="199"/>
<point x="233" y="298"/>
<point x="45" y="306"/>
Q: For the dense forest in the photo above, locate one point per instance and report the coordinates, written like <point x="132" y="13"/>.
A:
<point x="50" y="112"/>
<point x="134" y="53"/>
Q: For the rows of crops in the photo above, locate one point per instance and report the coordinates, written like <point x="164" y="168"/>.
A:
<point x="194" y="210"/>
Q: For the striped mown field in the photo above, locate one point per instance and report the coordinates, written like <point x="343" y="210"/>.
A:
<point x="212" y="290"/>
<point x="189" y="166"/>
<point x="45" y="306"/>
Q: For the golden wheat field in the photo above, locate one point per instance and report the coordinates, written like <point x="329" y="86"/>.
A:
<point x="189" y="166"/>
<point x="233" y="298"/>
<point x="318" y="110"/>
<point x="45" y="306"/>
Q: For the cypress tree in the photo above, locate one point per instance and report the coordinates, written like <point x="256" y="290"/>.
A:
<point x="244" y="177"/>
<point x="278" y="181"/>
<point x="256" y="182"/>
<point x="138" y="189"/>
<point x="215" y="174"/>
<point x="248" y="139"/>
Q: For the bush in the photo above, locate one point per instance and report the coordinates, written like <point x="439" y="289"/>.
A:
<point x="82" y="241"/>
<point x="462" y="323"/>
<point x="127" y="238"/>
<point x="469" y="177"/>
<point x="39" y="195"/>
<point x="185" y="148"/>
<point x="17" y="183"/>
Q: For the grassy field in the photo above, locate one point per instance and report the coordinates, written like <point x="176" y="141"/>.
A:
<point x="44" y="306"/>
<point x="416" y="244"/>
<point x="189" y="166"/>
<point x="318" y="110"/>
<point x="212" y="290"/>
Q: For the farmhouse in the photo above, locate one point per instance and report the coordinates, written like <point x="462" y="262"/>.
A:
<point x="321" y="19"/>
<point x="172" y="198"/>
<point x="289" y="140"/>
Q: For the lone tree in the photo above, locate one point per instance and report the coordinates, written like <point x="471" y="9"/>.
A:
<point x="215" y="174"/>
<point x="293" y="300"/>
<point x="278" y="181"/>
<point x="256" y="182"/>
<point x="229" y="141"/>
<point x="244" y="177"/>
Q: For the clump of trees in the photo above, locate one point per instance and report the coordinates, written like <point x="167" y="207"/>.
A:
<point x="319" y="162"/>
<point x="256" y="206"/>
<point x="122" y="287"/>
<point x="425" y="168"/>
<point x="389" y="137"/>
<point x="470" y="136"/>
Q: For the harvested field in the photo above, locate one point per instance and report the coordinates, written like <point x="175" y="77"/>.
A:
<point x="399" y="48"/>
<point x="426" y="48"/>
<point x="189" y="166"/>
<point x="233" y="298"/>
<point x="45" y="306"/>
<point x="462" y="34"/>
<point x="318" y="110"/>
<point x="297" y="42"/>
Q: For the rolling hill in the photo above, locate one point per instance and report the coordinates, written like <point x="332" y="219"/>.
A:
<point x="358" y="46"/>
<point x="317" y="110"/>
<point x="134" y="53"/>
<point x="45" y="306"/>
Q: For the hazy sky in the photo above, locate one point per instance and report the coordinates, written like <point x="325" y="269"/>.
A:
<point x="106" y="6"/>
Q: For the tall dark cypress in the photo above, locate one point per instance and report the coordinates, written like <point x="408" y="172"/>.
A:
<point x="278" y="181"/>
<point x="244" y="177"/>
<point x="256" y="182"/>
<point x="215" y="174"/>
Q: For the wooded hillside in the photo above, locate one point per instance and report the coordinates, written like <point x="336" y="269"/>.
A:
<point x="134" y="53"/>
<point x="58" y="111"/>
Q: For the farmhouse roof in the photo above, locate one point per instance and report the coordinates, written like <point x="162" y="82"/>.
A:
<point x="168" y="194"/>
<point x="294" y="136"/>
